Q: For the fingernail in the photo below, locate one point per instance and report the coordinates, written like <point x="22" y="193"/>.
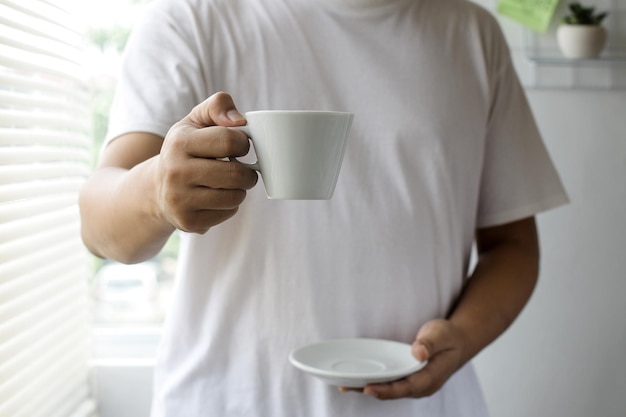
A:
<point x="234" y="116"/>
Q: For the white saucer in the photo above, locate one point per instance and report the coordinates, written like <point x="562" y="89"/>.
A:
<point x="354" y="363"/>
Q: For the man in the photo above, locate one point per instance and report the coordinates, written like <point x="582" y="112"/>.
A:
<point x="444" y="153"/>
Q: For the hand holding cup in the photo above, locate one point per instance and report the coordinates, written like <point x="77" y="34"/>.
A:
<point x="197" y="188"/>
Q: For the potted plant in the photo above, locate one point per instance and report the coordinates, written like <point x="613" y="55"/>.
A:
<point x="580" y="34"/>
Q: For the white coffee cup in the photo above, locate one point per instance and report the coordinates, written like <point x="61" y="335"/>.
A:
<point x="299" y="152"/>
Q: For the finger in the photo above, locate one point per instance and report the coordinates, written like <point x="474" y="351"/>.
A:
<point x="217" y="174"/>
<point x="420" y="351"/>
<point x="414" y="386"/>
<point x="186" y="202"/>
<point x="182" y="176"/>
<point x="202" y="208"/>
<point x="219" y="109"/>
<point x="208" y="142"/>
<point x="433" y="338"/>
<point x="202" y="220"/>
<point x="347" y="389"/>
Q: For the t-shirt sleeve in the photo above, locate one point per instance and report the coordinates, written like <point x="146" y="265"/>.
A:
<point x="161" y="77"/>
<point x="518" y="177"/>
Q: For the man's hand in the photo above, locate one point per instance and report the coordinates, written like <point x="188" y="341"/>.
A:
<point x="197" y="188"/>
<point x="145" y="186"/>
<point x="441" y="344"/>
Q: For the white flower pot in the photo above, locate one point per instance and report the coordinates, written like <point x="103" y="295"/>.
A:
<point x="581" y="41"/>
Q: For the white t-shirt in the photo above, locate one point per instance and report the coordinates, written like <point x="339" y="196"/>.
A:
<point x="443" y="142"/>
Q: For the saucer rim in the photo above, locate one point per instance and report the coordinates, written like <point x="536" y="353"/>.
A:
<point x="356" y="376"/>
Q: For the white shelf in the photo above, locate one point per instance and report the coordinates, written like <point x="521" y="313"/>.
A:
<point x="551" y="70"/>
<point x="555" y="60"/>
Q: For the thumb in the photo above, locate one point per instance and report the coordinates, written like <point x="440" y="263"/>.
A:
<point x="432" y="338"/>
<point x="217" y="110"/>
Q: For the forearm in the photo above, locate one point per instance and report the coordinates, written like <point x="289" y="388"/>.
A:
<point x="499" y="288"/>
<point x="120" y="216"/>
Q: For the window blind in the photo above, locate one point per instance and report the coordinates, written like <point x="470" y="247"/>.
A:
<point x="44" y="158"/>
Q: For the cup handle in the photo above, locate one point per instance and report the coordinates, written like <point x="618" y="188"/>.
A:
<point x="246" y="130"/>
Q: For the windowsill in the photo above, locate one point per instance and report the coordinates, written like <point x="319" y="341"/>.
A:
<point x="125" y="346"/>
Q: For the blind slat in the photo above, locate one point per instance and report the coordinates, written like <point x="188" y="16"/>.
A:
<point x="35" y="154"/>
<point x="34" y="136"/>
<point x="31" y="207"/>
<point x="42" y="119"/>
<point x="34" y="83"/>
<point x="15" y="230"/>
<point x="39" y="188"/>
<point x="31" y="101"/>
<point x="29" y="172"/>
<point x="51" y="187"/>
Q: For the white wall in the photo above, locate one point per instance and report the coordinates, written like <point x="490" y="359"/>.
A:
<point x="565" y="356"/>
